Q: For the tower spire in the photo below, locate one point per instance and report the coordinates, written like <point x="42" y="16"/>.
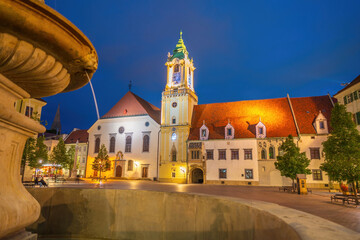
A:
<point x="56" y="125"/>
<point x="180" y="34"/>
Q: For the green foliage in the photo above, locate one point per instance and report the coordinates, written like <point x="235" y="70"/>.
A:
<point x="101" y="162"/>
<point x="35" y="152"/>
<point x="70" y="158"/>
<point x="292" y="162"/>
<point x="59" y="154"/>
<point x="342" y="148"/>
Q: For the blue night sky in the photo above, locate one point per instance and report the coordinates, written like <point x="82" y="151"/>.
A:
<point x="242" y="50"/>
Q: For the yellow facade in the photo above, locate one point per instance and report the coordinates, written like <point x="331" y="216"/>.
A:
<point x="31" y="107"/>
<point x="178" y="100"/>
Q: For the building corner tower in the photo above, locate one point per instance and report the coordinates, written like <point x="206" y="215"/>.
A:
<point x="178" y="100"/>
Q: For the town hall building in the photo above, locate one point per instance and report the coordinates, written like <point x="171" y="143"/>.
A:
<point x="217" y="143"/>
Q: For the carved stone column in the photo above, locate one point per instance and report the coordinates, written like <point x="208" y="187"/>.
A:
<point x="41" y="54"/>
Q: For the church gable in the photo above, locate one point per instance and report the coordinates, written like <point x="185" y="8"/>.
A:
<point x="133" y="105"/>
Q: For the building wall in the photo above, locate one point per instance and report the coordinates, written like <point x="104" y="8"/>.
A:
<point x="235" y="169"/>
<point x="81" y="156"/>
<point x="36" y="105"/>
<point x="351" y="106"/>
<point x="134" y="126"/>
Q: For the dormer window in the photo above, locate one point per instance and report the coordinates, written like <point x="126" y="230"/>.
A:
<point x="320" y="124"/>
<point x="260" y="130"/>
<point x="204" y="132"/>
<point x="229" y="131"/>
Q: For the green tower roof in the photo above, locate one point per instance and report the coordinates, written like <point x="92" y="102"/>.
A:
<point x="180" y="49"/>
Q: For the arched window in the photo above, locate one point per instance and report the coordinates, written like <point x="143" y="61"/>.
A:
<point x="271" y="152"/>
<point x="173" y="154"/>
<point x="128" y="144"/>
<point x="176" y="68"/>
<point x="280" y="151"/>
<point x="112" y="145"/>
<point x="97" y="145"/>
<point x="130" y="165"/>
<point x="263" y="154"/>
<point x="173" y="120"/>
<point x="146" y="141"/>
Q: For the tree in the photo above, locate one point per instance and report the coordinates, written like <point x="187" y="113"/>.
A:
<point x="292" y="162"/>
<point x="34" y="154"/>
<point x="59" y="154"/>
<point x="101" y="162"/>
<point x="342" y="149"/>
<point x="70" y="160"/>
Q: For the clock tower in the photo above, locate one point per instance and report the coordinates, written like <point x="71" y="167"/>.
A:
<point x="178" y="100"/>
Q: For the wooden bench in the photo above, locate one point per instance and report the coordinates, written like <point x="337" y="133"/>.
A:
<point x="286" y="188"/>
<point x="341" y="197"/>
<point x="29" y="184"/>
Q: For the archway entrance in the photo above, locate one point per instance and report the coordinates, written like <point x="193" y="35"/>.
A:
<point x="197" y="176"/>
<point x="118" y="171"/>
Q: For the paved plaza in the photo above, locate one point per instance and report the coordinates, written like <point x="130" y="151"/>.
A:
<point x="318" y="203"/>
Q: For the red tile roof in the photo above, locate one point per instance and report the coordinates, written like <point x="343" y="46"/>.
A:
<point x="77" y="135"/>
<point x="306" y="110"/>
<point x="132" y="105"/>
<point x="353" y="82"/>
<point x="244" y="115"/>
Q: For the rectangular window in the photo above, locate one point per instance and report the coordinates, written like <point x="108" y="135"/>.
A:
<point x="83" y="160"/>
<point x="229" y="131"/>
<point x="247" y="154"/>
<point x="317" y="174"/>
<point x="203" y="133"/>
<point x="234" y="154"/>
<point x="195" y="154"/>
<point x="249" y="174"/>
<point x="222" y="173"/>
<point x="322" y="125"/>
<point x="173" y="120"/>
<point x="358" y="118"/>
<point x="173" y="174"/>
<point x="315" y="153"/>
<point x="345" y="100"/>
<point x="222" y="154"/>
<point x="356" y="96"/>
<point x="210" y="154"/>
<point x="28" y="111"/>
<point x="261" y="130"/>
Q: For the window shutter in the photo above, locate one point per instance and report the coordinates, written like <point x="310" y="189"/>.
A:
<point x="345" y="100"/>
<point x="358" y="118"/>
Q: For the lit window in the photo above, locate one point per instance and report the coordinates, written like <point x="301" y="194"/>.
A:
<point x="234" y="154"/>
<point x="222" y="173"/>
<point x="247" y="154"/>
<point x="173" y="136"/>
<point x="222" y="154"/>
<point x="249" y="174"/>
<point x="317" y="174"/>
<point x="210" y="154"/>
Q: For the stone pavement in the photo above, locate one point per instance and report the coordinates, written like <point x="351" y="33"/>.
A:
<point x="317" y="203"/>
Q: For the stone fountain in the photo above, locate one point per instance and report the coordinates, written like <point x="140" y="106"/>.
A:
<point x="41" y="54"/>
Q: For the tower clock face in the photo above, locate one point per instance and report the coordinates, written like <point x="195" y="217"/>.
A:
<point x="176" y="78"/>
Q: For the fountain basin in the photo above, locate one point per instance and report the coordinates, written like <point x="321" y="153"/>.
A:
<point x="136" y="214"/>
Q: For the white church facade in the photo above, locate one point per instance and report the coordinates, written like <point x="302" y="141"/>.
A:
<point x="130" y="133"/>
